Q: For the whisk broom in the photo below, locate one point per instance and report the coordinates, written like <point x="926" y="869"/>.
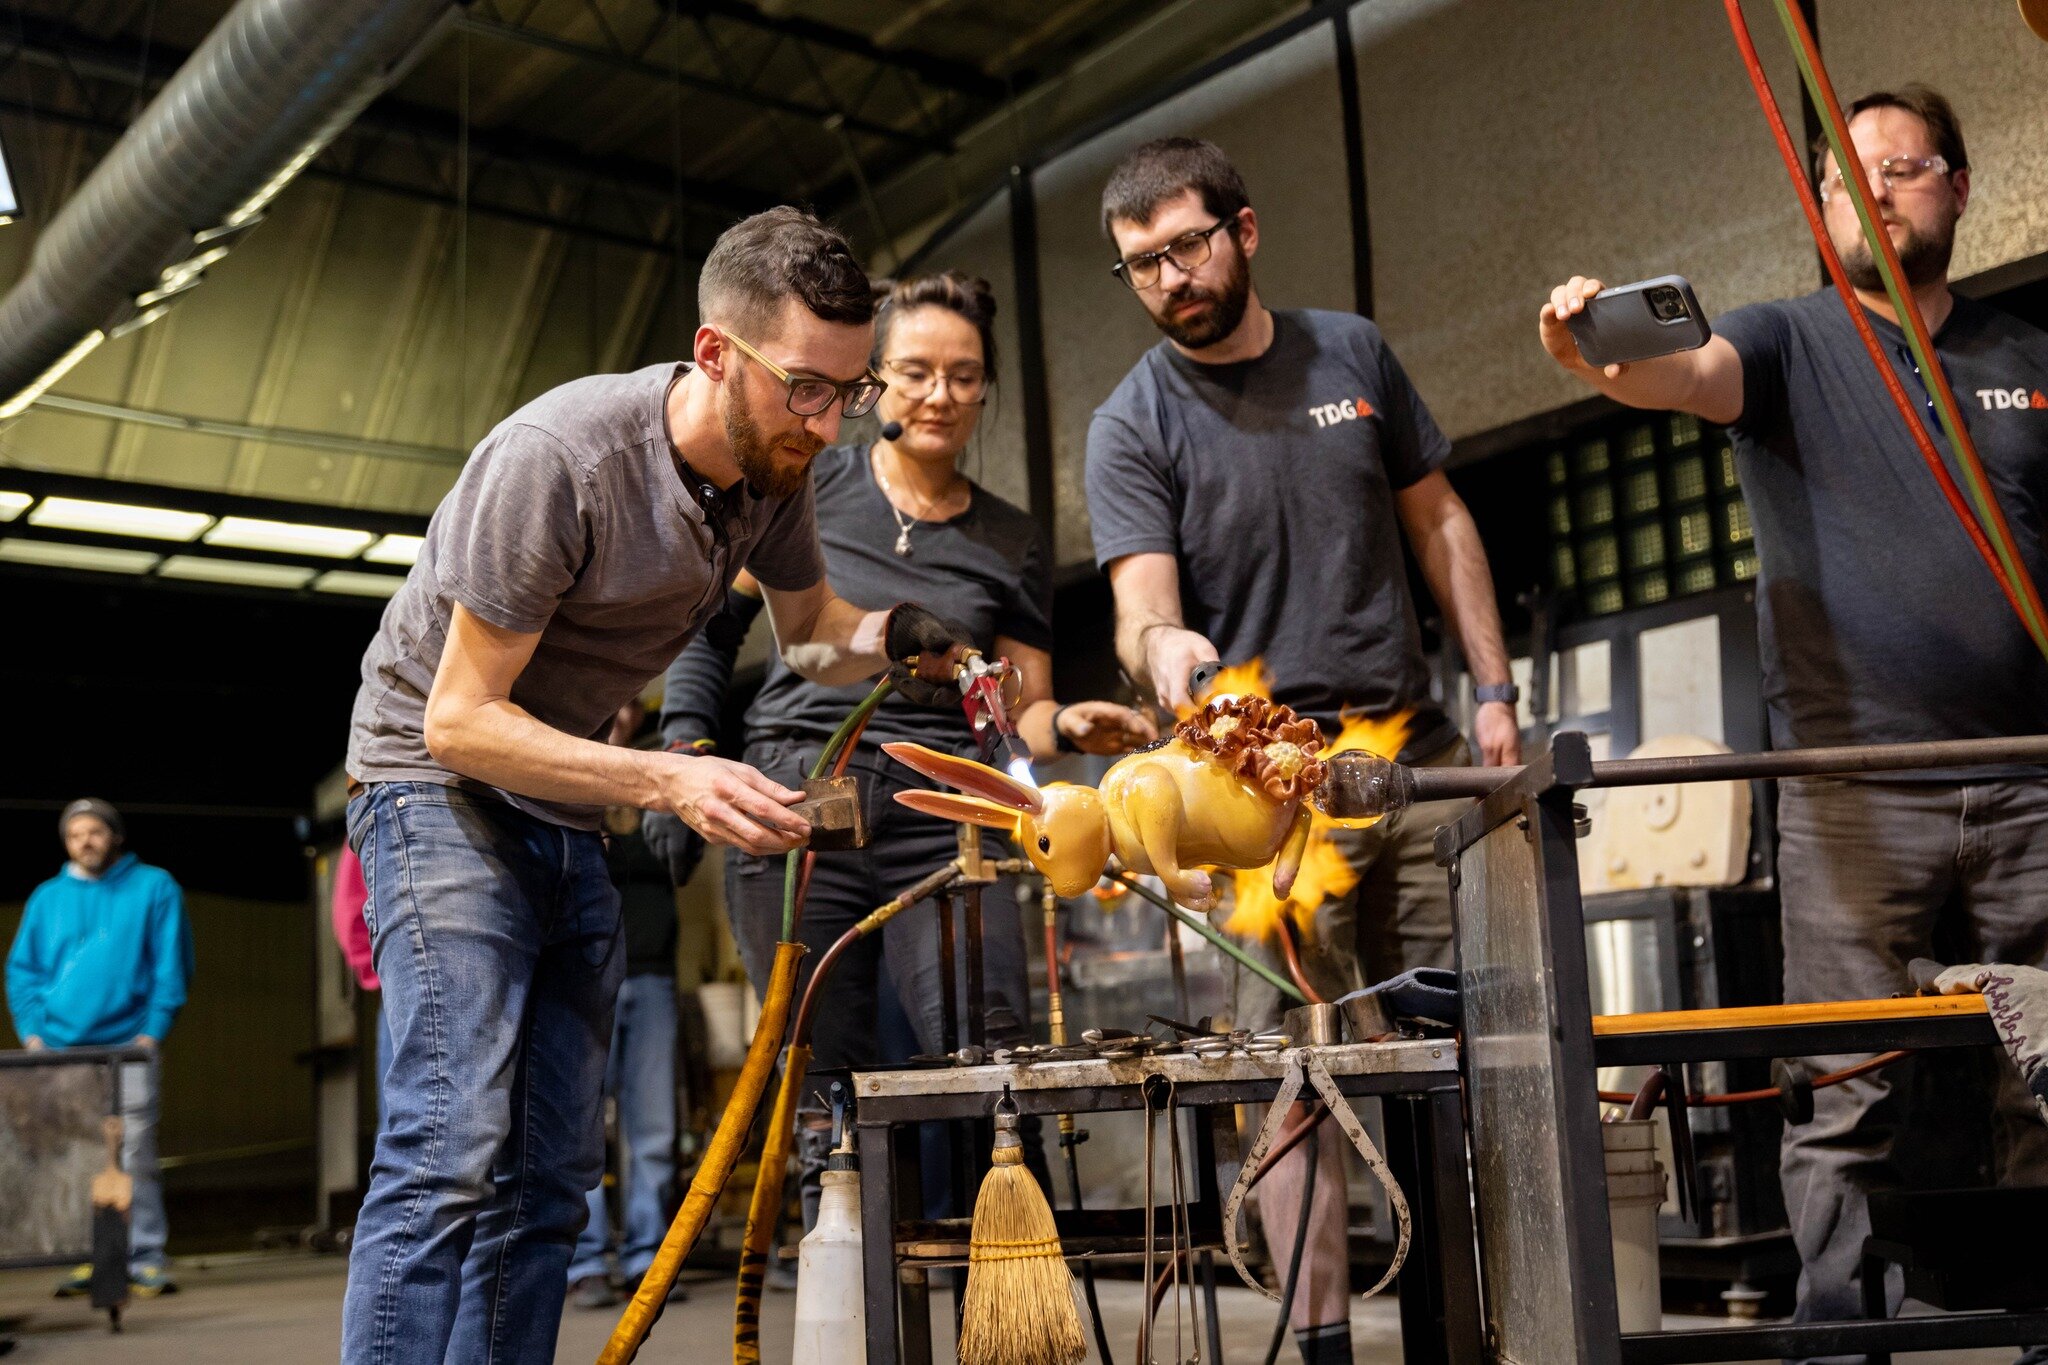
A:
<point x="1020" y="1307"/>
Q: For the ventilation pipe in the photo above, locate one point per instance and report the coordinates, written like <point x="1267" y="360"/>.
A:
<point x="273" y="83"/>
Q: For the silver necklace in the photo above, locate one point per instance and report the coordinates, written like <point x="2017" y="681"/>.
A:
<point x="903" y="523"/>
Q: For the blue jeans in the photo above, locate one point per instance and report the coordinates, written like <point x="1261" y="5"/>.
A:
<point x="642" y="1076"/>
<point x="147" y="1227"/>
<point x="498" y="942"/>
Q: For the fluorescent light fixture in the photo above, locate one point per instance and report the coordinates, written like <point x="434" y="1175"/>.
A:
<point x="395" y="549"/>
<point x="118" y="519"/>
<point x="13" y="504"/>
<point x="37" y="387"/>
<point x="201" y="569"/>
<point x="55" y="555"/>
<point x="357" y="584"/>
<point x="10" y="205"/>
<point x="288" y="537"/>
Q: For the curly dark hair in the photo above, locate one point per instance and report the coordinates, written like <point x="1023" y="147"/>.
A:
<point x="782" y="253"/>
<point x="969" y="296"/>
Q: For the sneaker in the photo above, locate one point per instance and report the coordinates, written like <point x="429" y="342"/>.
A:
<point x="592" y="1291"/>
<point x="76" y="1284"/>
<point x="151" y="1281"/>
<point x="781" y="1276"/>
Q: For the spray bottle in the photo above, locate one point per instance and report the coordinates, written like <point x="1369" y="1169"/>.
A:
<point x="831" y="1312"/>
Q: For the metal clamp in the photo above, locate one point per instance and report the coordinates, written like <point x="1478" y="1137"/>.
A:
<point x="1304" y="1066"/>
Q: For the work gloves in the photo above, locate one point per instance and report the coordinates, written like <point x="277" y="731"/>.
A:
<point x="2017" y="999"/>
<point x="938" y="647"/>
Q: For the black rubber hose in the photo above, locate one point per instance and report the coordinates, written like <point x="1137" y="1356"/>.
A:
<point x="1308" y="1201"/>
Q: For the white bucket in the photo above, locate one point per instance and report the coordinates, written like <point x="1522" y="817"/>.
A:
<point x="725" y="1022"/>
<point x="1635" y="1192"/>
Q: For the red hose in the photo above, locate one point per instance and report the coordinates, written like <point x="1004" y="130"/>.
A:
<point x="1811" y="207"/>
<point x="1910" y="320"/>
<point x="1290" y="953"/>
<point x="1847" y="1073"/>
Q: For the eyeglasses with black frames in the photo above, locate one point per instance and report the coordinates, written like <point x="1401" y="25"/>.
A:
<point x="1188" y="251"/>
<point x="810" y="395"/>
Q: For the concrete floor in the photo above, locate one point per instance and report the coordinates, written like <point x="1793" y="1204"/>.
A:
<point x="258" y="1310"/>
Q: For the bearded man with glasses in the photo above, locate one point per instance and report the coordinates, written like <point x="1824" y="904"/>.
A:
<point x="1879" y="625"/>
<point x="1250" y="483"/>
<point x="590" y="535"/>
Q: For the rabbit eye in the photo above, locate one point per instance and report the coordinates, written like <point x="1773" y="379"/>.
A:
<point x="1044" y="843"/>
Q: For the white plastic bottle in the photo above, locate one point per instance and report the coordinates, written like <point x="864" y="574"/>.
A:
<point x="831" y="1313"/>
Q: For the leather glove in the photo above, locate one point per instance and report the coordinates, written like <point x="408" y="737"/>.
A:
<point x="938" y="645"/>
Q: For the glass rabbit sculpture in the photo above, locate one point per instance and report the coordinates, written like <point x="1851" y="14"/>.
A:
<point x="1229" y="789"/>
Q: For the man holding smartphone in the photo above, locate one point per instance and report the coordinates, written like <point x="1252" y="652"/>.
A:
<point x="1249" y="482"/>
<point x="1879" y="625"/>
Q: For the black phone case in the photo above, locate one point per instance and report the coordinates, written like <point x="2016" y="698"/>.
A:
<point x="1618" y="326"/>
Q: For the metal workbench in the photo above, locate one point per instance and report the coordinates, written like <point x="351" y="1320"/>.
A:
<point x="1439" y="1292"/>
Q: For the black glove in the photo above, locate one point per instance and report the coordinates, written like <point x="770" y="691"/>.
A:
<point x="911" y="632"/>
<point x="1426" y="993"/>
<point x="679" y="847"/>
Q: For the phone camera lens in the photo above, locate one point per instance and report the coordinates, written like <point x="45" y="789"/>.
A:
<point x="1666" y="304"/>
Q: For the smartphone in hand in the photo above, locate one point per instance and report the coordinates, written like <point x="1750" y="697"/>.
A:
<point x="1639" y="321"/>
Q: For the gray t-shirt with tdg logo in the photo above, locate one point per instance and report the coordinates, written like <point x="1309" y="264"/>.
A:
<point x="1880" y="623"/>
<point x="571" y="520"/>
<point x="1272" y="482"/>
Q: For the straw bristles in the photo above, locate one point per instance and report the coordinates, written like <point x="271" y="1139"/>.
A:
<point x="1020" y="1307"/>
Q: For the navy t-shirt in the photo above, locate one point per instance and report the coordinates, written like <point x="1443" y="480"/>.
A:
<point x="1880" y="623"/>
<point x="987" y="569"/>
<point x="1272" y="482"/>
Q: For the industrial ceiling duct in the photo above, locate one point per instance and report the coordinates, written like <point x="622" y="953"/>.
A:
<point x="270" y="86"/>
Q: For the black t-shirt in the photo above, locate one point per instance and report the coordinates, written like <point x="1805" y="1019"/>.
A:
<point x="1272" y="482"/>
<point x="987" y="569"/>
<point x="1880" y="623"/>
<point x="647" y="904"/>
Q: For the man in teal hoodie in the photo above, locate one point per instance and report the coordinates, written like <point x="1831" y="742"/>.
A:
<point x="101" y="960"/>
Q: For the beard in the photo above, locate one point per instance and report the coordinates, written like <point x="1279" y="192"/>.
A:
<point x="1224" y="312"/>
<point x="767" y="473"/>
<point x="1923" y="257"/>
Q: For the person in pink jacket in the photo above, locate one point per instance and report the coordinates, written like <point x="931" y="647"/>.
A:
<point x="352" y="932"/>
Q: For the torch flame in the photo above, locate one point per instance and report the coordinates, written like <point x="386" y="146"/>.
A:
<point x="1325" y="872"/>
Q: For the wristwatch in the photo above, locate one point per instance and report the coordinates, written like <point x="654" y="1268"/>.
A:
<point x="1506" y="692"/>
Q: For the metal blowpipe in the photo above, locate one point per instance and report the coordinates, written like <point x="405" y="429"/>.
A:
<point x="1364" y="786"/>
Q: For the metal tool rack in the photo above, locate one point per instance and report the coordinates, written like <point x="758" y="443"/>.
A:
<point x="1530" y="1054"/>
<point x="107" y="1060"/>
<point x="1439" y="1293"/>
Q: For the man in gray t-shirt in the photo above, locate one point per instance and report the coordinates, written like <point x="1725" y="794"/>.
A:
<point x="1249" y="485"/>
<point x="590" y="536"/>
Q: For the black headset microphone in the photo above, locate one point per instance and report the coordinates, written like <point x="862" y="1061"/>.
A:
<point x="891" y="430"/>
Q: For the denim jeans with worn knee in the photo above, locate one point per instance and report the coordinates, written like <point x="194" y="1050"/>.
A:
<point x="498" y="942"/>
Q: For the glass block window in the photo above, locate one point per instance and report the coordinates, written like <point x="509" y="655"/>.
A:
<point x="1592" y="457"/>
<point x="1641" y="512"/>
<point x="1642" y="492"/>
<point x="1688" y="479"/>
<point x="1695" y="531"/>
